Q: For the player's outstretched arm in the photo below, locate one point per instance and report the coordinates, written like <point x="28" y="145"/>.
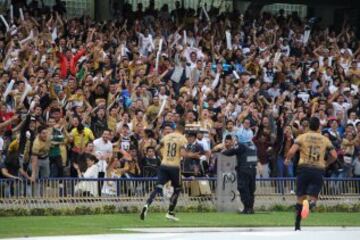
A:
<point x="333" y="157"/>
<point x="294" y="148"/>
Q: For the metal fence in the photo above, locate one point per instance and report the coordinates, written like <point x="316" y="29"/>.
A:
<point x="66" y="192"/>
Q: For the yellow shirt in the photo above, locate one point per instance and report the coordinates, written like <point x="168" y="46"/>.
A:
<point x="152" y="112"/>
<point x="134" y="122"/>
<point x="207" y="124"/>
<point x="355" y="76"/>
<point x="112" y="123"/>
<point x="14" y="145"/>
<point x="171" y="146"/>
<point x="41" y="148"/>
<point x="313" y="148"/>
<point x="132" y="167"/>
<point x="80" y="140"/>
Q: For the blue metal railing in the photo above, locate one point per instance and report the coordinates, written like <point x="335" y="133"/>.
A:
<point x="132" y="186"/>
<point x="275" y="179"/>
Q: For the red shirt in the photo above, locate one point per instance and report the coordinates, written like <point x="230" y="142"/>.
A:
<point x="4" y="116"/>
<point x="66" y="64"/>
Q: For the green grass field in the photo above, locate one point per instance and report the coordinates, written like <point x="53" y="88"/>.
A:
<point x="96" y="224"/>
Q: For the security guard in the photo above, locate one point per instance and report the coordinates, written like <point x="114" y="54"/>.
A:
<point x="246" y="157"/>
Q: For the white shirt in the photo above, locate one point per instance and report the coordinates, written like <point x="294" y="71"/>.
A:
<point x="268" y="75"/>
<point x="91" y="172"/>
<point x="101" y="146"/>
<point x="244" y="135"/>
<point x="1" y="144"/>
<point x="285" y="49"/>
<point x="102" y="149"/>
<point x="341" y="107"/>
<point x="204" y="143"/>
<point x="146" y="43"/>
<point x="353" y="122"/>
<point x="304" y="96"/>
<point x="329" y="79"/>
<point x="89" y="186"/>
<point x="356" y="165"/>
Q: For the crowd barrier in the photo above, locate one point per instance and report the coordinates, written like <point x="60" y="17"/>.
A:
<point x="64" y="192"/>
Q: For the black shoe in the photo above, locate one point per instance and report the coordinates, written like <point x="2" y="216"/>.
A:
<point x="297" y="226"/>
<point x="144" y="212"/>
<point x="245" y="211"/>
<point x="251" y="211"/>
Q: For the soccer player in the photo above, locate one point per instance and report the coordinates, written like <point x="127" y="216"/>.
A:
<point x="313" y="148"/>
<point x="172" y="151"/>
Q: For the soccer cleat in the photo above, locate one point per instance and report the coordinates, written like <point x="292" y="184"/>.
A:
<point x="251" y="211"/>
<point x="144" y="212"/>
<point x="244" y="211"/>
<point x="171" y="216"/>
<point x="247" y="211"/>
<point x="305" y="210"/>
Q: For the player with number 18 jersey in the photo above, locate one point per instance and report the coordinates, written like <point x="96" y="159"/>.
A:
<point x="172" y="150"/>
<point x="171" y="147"/>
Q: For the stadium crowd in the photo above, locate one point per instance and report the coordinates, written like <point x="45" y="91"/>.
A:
<point x="91" y="99"/>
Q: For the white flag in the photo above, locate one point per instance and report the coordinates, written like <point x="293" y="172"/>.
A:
<point x="158" y="55"/>
<point x="5" y="23"/>
<point x="21" y="14"/>
<point x="228" y="40"/>
<point x="9" y="88"/>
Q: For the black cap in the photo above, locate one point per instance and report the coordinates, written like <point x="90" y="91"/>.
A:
<point x="191" y="134"/>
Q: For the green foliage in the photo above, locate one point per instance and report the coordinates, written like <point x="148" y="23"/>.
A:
<point x="200" y="208"/>
<point x="37" y="211"/>
<point x="109" y="209"/>
<point x="97" y="210"/>
<point x="279" y="208"/>
<point x="68" y="212"/>
<point x="82" y="210"/>
<point x="134" y="209"/>
<point x="53" y="212"/>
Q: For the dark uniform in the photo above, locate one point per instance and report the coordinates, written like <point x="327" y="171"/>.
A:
<point x="311" y="167"/>
<point x="246" y="156"/>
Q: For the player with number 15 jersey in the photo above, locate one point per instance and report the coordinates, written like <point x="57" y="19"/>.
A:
<point x="313" y="146"/>
<point x="316" y="153"/>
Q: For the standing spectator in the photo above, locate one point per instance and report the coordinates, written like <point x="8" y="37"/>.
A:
<point x="40" y="163"/>
<point x="103" y="148"/>
<point x="132" y="167"/>
<point x="191" y="164"/>
<point x="150" y="162"/>
<point x="244" y="132"/>
<point x="264" y="140"/>
<point x="57" y="138"/>
<point x="286" y="139"/>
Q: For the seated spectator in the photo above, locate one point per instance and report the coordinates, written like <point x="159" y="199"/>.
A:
<point x="88" y="188"/>
<point x="114" y="170"/>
